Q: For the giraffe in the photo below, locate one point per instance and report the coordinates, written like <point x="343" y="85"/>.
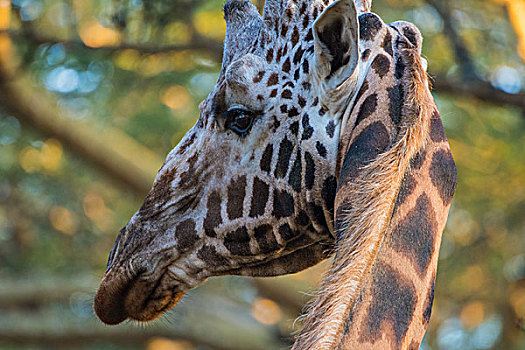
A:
<point x="320" y="139"/>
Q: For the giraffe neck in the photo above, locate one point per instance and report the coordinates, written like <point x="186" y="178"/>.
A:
<point x="393" y="305"/>
<point x="379" y="291"/>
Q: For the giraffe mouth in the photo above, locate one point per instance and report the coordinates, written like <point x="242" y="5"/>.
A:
<point x="139" y="299"/>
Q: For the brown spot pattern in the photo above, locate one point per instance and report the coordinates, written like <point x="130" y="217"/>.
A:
<point x="437" y="131"/>
<point x="213" y="214"/>
<point x="415" y="235"/>
<point x="266" y="159"/>
<point x="443" y="175"/>
<point x="381" y="65"/>
<point x="283" y="204"/>
<point x="260" y="194"/>
<point x="186" y="235"/>
<point x="209" y="255"/>
<point x="283" y="160"/>
<point x="273" y="80"/>
<point x="368" y="107"/>
<point x="393" y="301"/>
<point x="369" y="26"/>
<point x="265" y="239"/>
<point x="373" y="140"/>
<point x="236" y="194"/>
<point x="238" y="242"/>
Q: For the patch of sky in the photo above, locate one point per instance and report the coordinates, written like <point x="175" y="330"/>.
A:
<point x="56" y="55"/>
<point x="37" y="143"/>
<point x="202" y="83"/>
<point x="65" y="80"/>
<point x="452" y="335"/>
<point x="60" y="14"/>
<point x="10" y="127"/>
<point x="89" y="81"/>
<point x="75" y="108"/>
<point x="427" y="19"/>
<point x="102" y="68"/>
<point x="137" y="3"/>
<point x="40" y="56"/>
<point x="507" y="79"/>
<point x="33" y="185"/>
<point x="204" y="62"/>
<point x="466" y="20"/>
<point x="29" y="9"/>
<point x="61" y="79"/>
<point x="514" y="268"/>
<point x="487" y="333"/>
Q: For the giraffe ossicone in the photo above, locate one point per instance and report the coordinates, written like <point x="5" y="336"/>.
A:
<point x="319" y="137"/>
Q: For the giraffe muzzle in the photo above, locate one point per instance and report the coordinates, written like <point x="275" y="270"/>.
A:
<point x="109" y="300"/>
<point x="141" y="299"/>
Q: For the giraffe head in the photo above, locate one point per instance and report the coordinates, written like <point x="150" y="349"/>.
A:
<point x="250" y="188"/>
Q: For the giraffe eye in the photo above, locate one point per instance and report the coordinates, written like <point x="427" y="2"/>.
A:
<point x="239" y="121"/>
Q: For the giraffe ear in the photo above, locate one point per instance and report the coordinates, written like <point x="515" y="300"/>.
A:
<point x="336" y="34"/>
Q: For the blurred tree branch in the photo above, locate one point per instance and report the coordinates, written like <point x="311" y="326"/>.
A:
<point x="470" y="83"/>
<point x="477" y="88"/>
<point x="30" y="294"/>
<point x="49" y="325"/>
<point x="459" y="48"/>
<point x="197" y="42"/>
<point x="74" y="338"/>
<point x="31" y="108"/>
<point x="282" y="292"/>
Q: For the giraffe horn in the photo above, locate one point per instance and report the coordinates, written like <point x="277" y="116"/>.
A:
<point x="243" y="24"/>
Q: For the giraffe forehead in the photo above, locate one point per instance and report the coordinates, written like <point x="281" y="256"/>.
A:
<point x="243" y="70"/>
<point x="243" y="82"/>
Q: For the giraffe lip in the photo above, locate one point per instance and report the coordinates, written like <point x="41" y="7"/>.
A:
<point x="139" y="299"/>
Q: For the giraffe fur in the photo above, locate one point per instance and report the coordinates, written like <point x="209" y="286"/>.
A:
<point x="320" y="139"/>
<point x="366" y="199"/>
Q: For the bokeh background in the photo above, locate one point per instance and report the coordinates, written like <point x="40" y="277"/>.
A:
<point x="94" y="93"/>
